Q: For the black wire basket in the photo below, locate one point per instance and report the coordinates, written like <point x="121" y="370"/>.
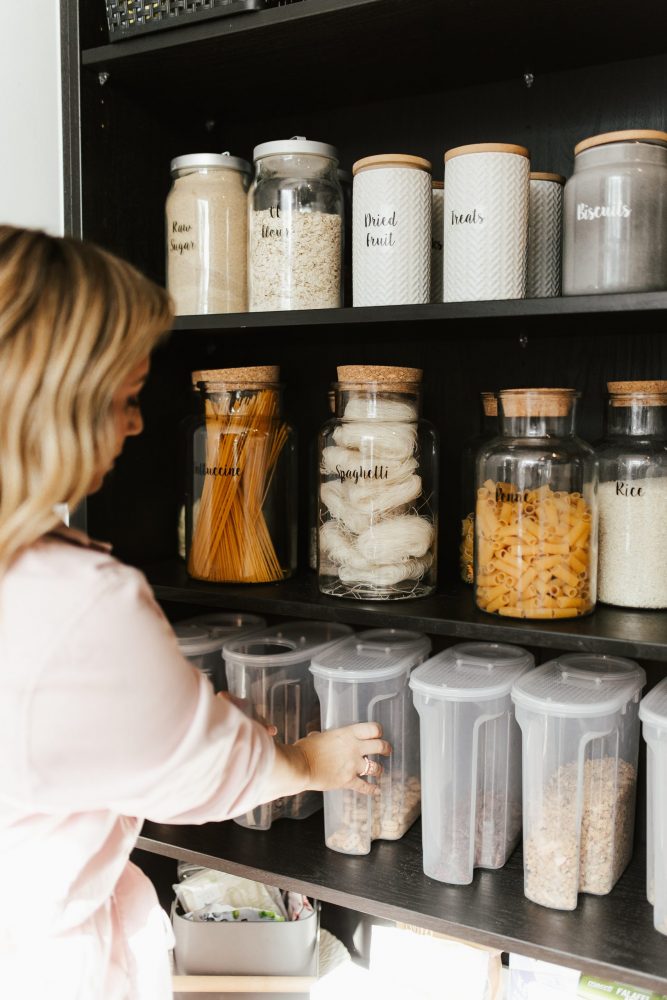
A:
<point x="129" y="18"/>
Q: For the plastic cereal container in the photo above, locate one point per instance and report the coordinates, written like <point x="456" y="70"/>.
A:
<point x="223" y="625"/>
<point x="202" y="646"/>
<point x="470" y="758"/>
<point x="269" y="670"/>
<point x="579" y="716"/>
<point x="365" y="679"/>
<point x="653" y="713"/>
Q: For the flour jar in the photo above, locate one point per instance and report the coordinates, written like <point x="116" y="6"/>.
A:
<point x="391" y="230"/>
<point x="632" y="496"/>
<point x="615" y="214"/>
<point x="206" y="225"/>
<point x="486" y="222"/>
<point x="378" y="488"/>
<point x="545" y="229"/>
<point x="437" y="236"/>
<point x="295" y="227"/>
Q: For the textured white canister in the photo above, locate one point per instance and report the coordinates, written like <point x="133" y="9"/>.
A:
<point x="545" y="236"/>
<point x="391" y="230"/>
<point x="486" y="222"/>
<point x="437" y="239"/>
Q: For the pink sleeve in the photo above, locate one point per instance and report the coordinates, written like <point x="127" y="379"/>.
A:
<point x="120" y="720"/>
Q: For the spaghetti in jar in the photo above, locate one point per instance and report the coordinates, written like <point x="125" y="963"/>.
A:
<point x="241" y="505"/>
<point x="536" y="510"/>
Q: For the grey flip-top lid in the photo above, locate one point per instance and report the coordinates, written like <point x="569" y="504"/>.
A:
<point x="364" y="659"/>
<point x="579" y="685"/>
<point x="298" y="144"/>
<point x="207" y="160"/>
<point x="283" y="645"/>
<point x="472" y="671"/>
<point x="193" y="640"/>
<point x="653" y="708"/>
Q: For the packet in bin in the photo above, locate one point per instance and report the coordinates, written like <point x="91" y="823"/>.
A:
<point x="207" y="886"/>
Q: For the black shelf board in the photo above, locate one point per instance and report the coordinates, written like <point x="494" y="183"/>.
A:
<point x="638" y="634"/>
<point x="575" y="305"/>
<point x="380" y="46"/>
<point x="610" y="936"/>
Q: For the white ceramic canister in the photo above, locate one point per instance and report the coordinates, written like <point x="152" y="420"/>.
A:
<point x="437" y="236"/>
<point x="545" y="236"/>
<point x="391" y="230"/>
<point x="486" y="222"/>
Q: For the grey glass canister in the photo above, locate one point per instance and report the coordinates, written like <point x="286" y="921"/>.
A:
<point x="615" y="214"/>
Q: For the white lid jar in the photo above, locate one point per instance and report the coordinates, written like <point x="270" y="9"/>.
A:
<point x="206" y="233"/>
<point x="580" y="724"/>
<point x="470" y="757"/>
<point x="295" y="227"/>
<point x="653" y="713"/>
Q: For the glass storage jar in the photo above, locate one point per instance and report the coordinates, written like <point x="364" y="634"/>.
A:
<point x="206" y="222"/>
<point x="536" y="510"/>
<point x="295" y="227"/>
<point x="615" y="214"/>
<point x="241" y="502"/>
<point x="632" y="496"/>
<point x="488" y="430"/>
<point x="378" y="488"/>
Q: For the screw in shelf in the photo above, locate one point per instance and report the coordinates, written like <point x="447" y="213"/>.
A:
<point x="102" y="78"/>
<point x="523" y="341"/>
<point x="209" y="125"/>
<point x="529" y="80"/>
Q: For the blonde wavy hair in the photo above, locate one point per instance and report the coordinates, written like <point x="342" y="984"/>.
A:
<point x="74" y="322"/>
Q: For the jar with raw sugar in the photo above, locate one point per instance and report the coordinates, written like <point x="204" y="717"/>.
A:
<point x="536" y="510"/>
<point x="615" y="214"/>
<point x="241" y="502"/>
<point x="378" y="488"/>
<point x="486" y="222"/>
<point x="206" y="222"/>
<point x="391" y="230"/>
<point x="632" y="496"/>
<point x="295" y="227"/>
<point x="488" y="430"/>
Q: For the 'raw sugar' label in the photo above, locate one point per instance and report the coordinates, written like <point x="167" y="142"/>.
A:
<point x="179" y="242"/>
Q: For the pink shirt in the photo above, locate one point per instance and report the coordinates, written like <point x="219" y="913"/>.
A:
<point x="102" y="723"/>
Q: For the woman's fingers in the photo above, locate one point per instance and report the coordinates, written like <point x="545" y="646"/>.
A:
<point x="377" y="747"/>
<point x="370" y="768"/>
<point x="367" y="730"/>
<point x="363" y="787"/>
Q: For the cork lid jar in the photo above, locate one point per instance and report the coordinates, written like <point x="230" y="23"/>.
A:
<point x="378" y="392"/>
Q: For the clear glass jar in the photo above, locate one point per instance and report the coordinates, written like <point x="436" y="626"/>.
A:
<point x="488" y="430"/>
<point x="536" y="510"/>
<point x="632" y="496"/>
<point x="241" y="503"/>
<point x="295" y="227"/>
<point x="378" y="488"/>
<point x="207" y="233"/>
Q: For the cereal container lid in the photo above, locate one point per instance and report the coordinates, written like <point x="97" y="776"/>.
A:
<point x="579" y="685"/>
<point x="653" y="708"/>
<point x="359" y="660"/>
<point x="193" y="640"/>
<point x="399" y="640"/>
<point x="284" y="645"/>
<point x="472" y="671"/>
<point x="227" y="623"/>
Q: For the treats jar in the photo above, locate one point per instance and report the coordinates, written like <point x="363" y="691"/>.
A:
<point x="470" y="758"/>
<point x="206" y="223"/>
<point x="365" y="679"/>
<point x="295" y="227"/>
<point x="632" y="496"/>
<point x="241" y="501"/>
<point x="653" y="714"/>
<point x="579" y="717"/>
<point x="615" y="214"/>
<point x="378" y="488"/>
<point x="545" y="236"/>
<point x="536" y="510"/>
<point x="391" y="230"/>
<point x="488" y="431"/>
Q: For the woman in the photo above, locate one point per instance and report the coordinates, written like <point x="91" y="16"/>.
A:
<point x="102" y="721"/>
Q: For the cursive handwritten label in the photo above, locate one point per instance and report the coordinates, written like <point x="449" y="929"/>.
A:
<point x="180" y="246"/>
<point x="474" y="218"/>
<point x="588" y="213"/>
<point x="360" y="474"/>
<point x="626" y="490"/>
<point x="380" y="229"/>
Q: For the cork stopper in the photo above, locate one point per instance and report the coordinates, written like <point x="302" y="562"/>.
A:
<point x="540" y="175"/>
<point x="490" y="404"/>
<point x="259" y="373"/>
<point x="537" y="402"/>
<point x="627" y="135"/>
<point x="391" y="160"/>
<point x="385" y="374"/>
<point x="650" y="391"/>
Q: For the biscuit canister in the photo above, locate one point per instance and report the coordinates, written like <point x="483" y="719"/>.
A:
<point x="545" y="228"/>
<point x="615" y="214"/>
<point x="486" y="222"/>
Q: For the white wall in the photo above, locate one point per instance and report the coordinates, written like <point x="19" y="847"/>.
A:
<point x="31" y="182"/>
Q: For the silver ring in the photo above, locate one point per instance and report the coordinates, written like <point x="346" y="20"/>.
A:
<point x="367" y="767"/>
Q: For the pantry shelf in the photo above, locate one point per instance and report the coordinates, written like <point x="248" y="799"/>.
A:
<point x="451" y="612"/>
<point x="610" y="936"/>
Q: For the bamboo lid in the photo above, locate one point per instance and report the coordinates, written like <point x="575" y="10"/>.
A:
<point x="438" y="185"/>
<point x="391" y="160"/>
<point x="490" y="404"/>
<point x="537" y="402"/>
<point x="260" y="373"/>
<point x="378" y="373"/>
<point x="541" y="176"/>
<point x="486" y="147"/>
<point x="653" y="391"/>
<point x="629" y="135"/>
